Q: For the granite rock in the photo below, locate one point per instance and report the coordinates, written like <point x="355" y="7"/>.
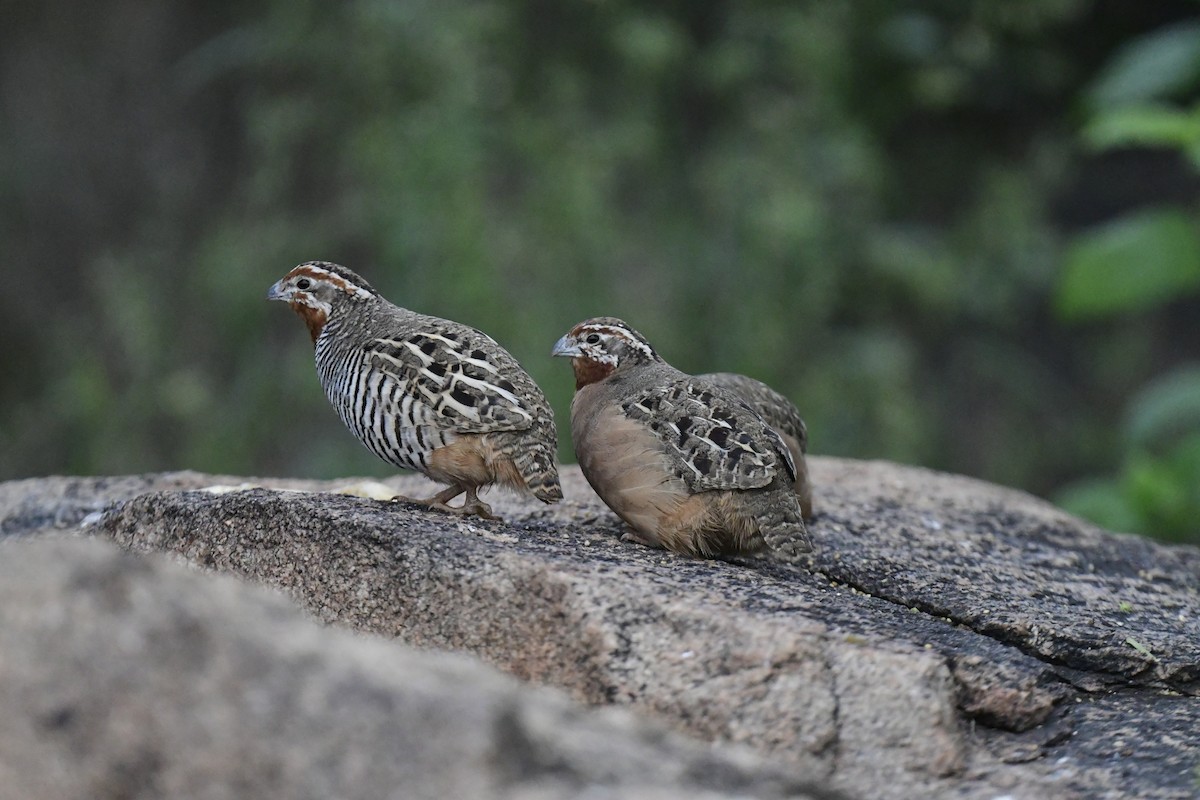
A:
<point x="947" y="637"/>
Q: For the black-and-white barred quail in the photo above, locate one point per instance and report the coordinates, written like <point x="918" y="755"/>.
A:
<point x="782" y="415"/>
<point x="425" y="393"/>
<point x="687" y="464"/>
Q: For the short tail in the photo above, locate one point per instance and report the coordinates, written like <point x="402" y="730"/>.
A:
<point x="788" y="542"/>
<point x="540" y="473"/>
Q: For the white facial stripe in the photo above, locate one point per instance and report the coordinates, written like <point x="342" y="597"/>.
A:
<point x="610" y="332"/>
<point x="312" y="302"/>
<point x="594" y="353"/>
<point x="321" y="274"/>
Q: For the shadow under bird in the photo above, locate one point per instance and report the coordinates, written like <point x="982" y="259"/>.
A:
<point x="687" y="464"/>
<point x="425" y="393"/>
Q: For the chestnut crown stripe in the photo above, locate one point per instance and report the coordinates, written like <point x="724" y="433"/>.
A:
<point x="337" y="276"/>
<point x="613" y="328"/>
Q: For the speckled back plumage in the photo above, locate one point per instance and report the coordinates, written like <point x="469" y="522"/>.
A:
<point x="782" y="415"/>
<point x="712" y="439"/>
<point x="407" y="384"/>
<point x="778" y="411"/>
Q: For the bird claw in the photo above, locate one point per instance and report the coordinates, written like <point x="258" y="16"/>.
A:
<point x="635" y="538"/>
<point x="478" y="509"/>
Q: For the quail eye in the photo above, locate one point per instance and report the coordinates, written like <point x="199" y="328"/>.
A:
<point x="593" y="338"/>
<point x="303" y="283"/>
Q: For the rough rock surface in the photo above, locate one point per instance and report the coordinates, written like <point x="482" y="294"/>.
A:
<point x="949" y="638"/>
<point x="130" y="677"/>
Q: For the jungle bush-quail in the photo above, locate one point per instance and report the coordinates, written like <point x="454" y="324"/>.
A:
<point x="687" y="464"/>
<point x="425" y="393"/>
<point x="782" y="415"/>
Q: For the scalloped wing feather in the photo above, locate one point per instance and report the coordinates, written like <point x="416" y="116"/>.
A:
<point x="778" y="411"/>
<point x="713" y="440"/>
<point x="464" y="380"/>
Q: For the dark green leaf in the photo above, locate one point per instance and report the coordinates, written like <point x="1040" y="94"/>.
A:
<point x="1130" y="264"/>
<point x="1151" y="67"/>
<point x="1168" y="407"/>
<point x="1146" y="126"/>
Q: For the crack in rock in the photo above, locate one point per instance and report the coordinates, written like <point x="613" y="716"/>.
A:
<point x="829" y="671"/>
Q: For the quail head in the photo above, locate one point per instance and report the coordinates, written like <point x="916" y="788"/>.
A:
<point x="782" y="415"/>
<point x="425" y="393"/>
<point x="688" y="465"/>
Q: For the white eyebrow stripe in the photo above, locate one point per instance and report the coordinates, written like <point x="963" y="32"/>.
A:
<point x="337" y="280"/>
<point x="625" y="335"/>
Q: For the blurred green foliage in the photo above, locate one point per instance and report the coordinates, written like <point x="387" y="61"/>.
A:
<point x="887" y="210"/>
<point x="1137" y="262"/>
<point x="1132" y="263"/>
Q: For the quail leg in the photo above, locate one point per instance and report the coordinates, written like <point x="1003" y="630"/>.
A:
<point x="441" y="502"/>
<point x="438" y="501"/>
<point x="473" y="505"/>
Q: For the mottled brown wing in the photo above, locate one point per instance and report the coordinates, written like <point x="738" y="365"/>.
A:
<point x="463" y="378"/>
<point x="713" y="440"/>
<point x="778" y="411"/>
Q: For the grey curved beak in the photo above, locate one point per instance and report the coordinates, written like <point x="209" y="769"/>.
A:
<point x="565" y="347"/>
<point x="275" y="293"/>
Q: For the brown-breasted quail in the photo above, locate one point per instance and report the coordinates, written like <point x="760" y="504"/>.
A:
<point x="425" y="393"/>
<point x="782" y="415"/>
<point x="687" y="464"/>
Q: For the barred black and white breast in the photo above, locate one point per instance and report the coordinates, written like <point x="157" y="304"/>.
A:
<point x="425" y="393"/>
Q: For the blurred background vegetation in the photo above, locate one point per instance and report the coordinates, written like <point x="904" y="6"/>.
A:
<point x="959" y="234"/>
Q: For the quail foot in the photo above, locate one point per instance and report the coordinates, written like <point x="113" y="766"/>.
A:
<point x="425" y="393"/>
